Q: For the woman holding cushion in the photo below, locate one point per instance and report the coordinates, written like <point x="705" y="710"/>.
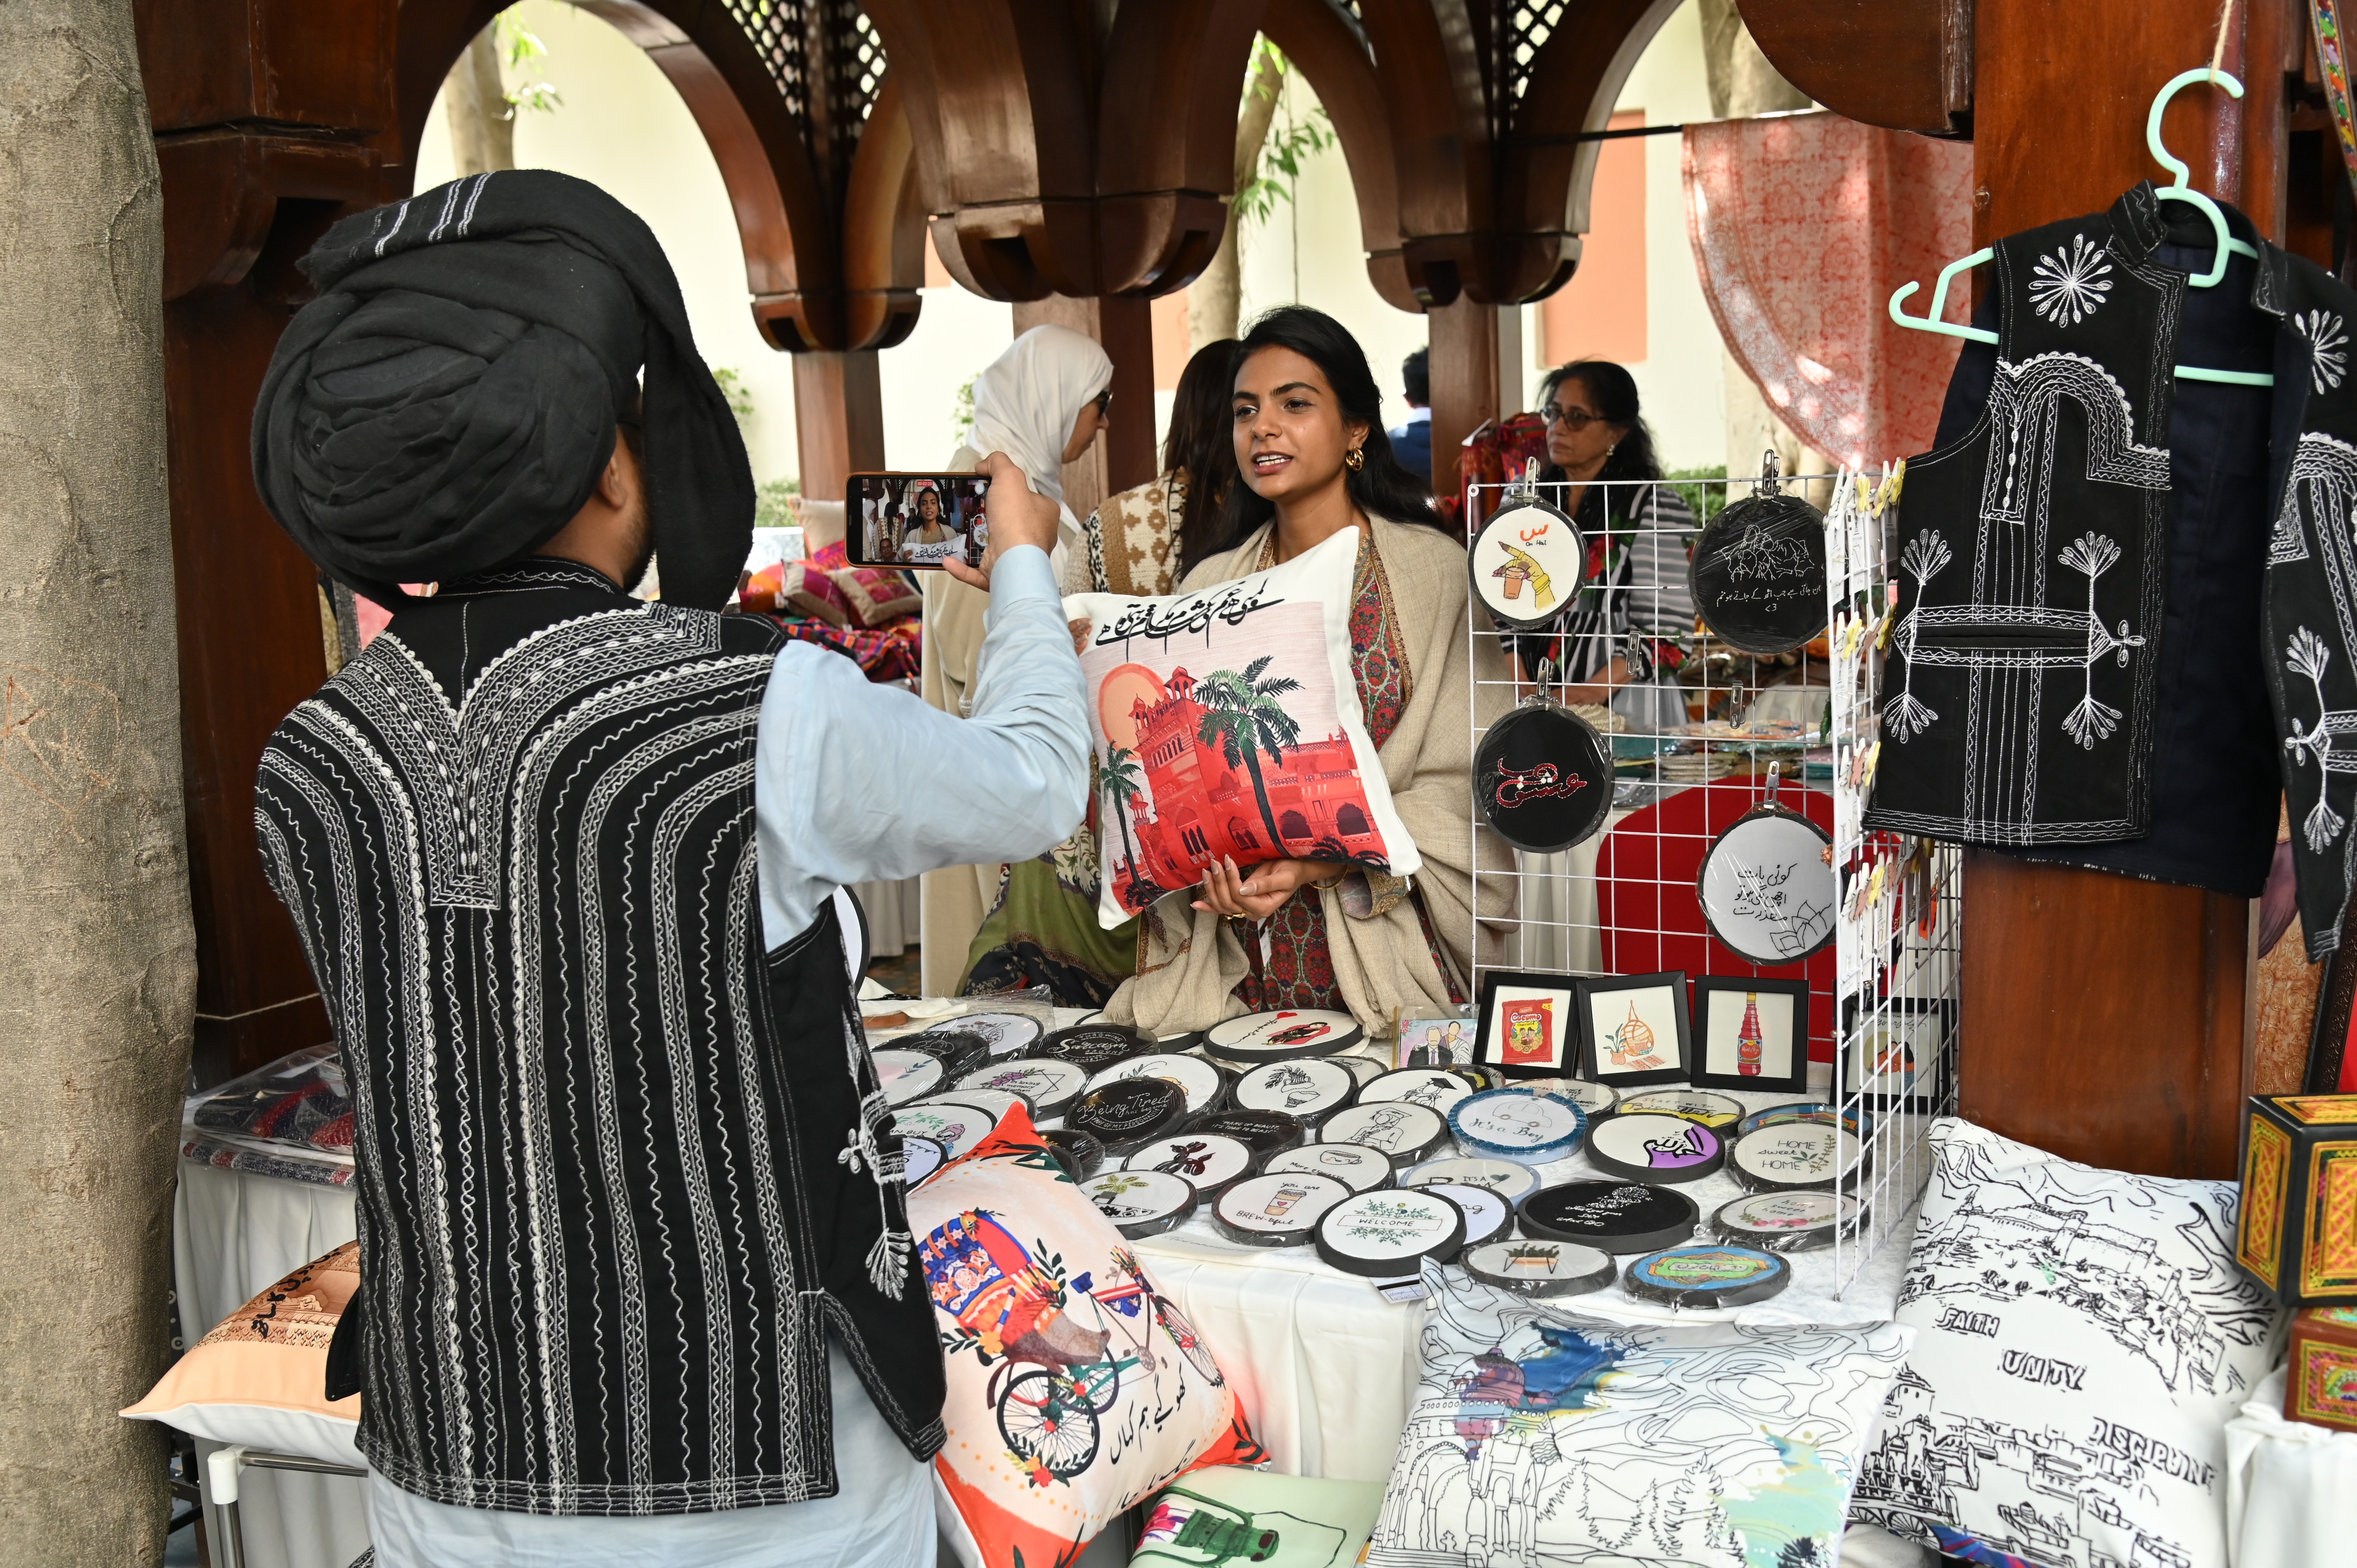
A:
<point x="1310" y="446"/>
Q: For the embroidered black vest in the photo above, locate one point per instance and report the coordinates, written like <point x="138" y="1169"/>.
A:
<point x="2030" y="557"/>
<point x="619" y="1171"/>
<point x="2035" y="570"/>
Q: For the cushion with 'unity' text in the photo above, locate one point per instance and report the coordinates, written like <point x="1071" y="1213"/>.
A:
<point x="2083" y="1337"/>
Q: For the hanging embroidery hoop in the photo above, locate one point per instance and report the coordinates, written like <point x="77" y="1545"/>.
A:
<point x="1543" y="776"/>
<point x="1758" y="574"/>
<point x="1529" y="561"/>
<point x="1764" y="886"/>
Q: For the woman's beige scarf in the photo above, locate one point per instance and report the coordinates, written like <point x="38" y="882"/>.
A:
<point x="1189" y="961"/>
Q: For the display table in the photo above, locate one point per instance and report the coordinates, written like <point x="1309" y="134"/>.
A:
<point x="233" y="1234"/>
<point x="1326" y="1369"/>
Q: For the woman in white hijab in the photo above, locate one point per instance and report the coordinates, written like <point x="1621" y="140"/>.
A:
<point x="1042" y="402"/>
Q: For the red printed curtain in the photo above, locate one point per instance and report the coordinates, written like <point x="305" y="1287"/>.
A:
<point x="1803" y="225"/>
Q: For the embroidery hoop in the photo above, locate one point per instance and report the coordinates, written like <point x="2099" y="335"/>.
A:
<point x="1515" y="513"/>
<point x="1725" y="857"/>
<point x="1783" y="522"/>
<point x="1566" y="745"/>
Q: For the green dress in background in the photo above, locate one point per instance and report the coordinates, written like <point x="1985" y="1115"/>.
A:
<point x="1042" y="930"/>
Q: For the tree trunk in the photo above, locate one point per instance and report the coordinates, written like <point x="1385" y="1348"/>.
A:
<point x="1215" y="299"/>
<point x="482" y="125"/>
<point x="1743" y="83"/>
<point x="97" y="956"/>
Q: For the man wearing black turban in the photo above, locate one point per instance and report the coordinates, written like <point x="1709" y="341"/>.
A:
<point x="449" y="400"/>
<point x="636" y="1260"/>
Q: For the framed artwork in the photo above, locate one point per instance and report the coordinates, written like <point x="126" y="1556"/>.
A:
<point x="1632" y="1029"/>
<point x="1444" y="1036"/>
<point x="1750" y="1033"/>
<point x="1896" y="1061"/>
<point x="1528" y="1024"/>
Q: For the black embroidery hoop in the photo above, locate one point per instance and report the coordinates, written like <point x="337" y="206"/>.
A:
<point x="1539" y="754"/>
<point x="1766" y="543"/>
<point x="1727" y="845"/>
<point x="1520" y="509"/>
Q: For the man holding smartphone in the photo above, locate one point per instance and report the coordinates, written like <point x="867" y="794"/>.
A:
<point x="636" y="1279"/>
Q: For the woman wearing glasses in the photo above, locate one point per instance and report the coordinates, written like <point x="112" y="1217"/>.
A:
<point x="1630" y="627"/>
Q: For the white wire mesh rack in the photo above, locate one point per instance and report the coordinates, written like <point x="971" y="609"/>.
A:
<point x="1883" y="997"/>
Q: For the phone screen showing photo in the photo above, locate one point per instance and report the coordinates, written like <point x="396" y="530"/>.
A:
<point x="916" y="521"/>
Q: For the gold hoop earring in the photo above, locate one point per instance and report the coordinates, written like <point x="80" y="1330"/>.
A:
<point x="1354" y="459"/>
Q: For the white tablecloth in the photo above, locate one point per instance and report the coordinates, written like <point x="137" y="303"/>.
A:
<point x="1326" y="1367"/>
<point x="2291" y="1488"/>
<point x="231" y="1235"/>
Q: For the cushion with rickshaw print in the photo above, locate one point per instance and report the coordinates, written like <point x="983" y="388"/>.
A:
<point x="1077" y="1389"/>
<point x="1227" y="725"/>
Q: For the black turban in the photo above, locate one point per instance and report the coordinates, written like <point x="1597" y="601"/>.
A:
<point x="448" y="401"/>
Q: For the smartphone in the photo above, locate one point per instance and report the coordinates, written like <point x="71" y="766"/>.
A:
<point x="916" y="521"/>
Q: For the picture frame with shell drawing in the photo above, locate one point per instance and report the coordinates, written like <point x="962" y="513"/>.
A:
<point x="1634" y="1030"/>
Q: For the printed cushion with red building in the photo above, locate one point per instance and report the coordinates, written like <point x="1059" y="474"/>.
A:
<point x="1227" y="723"/>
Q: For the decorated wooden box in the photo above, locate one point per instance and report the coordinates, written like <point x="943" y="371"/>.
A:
<point x="2296" y="1233"/>
<point x="2321" y="1386"/>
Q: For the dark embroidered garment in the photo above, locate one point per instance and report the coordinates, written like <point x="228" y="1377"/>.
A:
<point x="2072" y="673"/>
<point x="619" y="1172"/>
<point x="2031" y="556"/>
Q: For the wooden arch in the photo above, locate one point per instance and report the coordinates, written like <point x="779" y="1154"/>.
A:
<point x="825" y="199"/>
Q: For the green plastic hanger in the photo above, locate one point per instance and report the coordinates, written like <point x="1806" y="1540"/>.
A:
<point x="2176" y="190"/>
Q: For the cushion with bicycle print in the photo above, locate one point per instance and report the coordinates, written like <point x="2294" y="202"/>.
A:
<point x="1226" y="724"/>
<point x="1076" y="1390"/>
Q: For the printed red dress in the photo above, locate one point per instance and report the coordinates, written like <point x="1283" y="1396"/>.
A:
<point x="1291" y="964"/>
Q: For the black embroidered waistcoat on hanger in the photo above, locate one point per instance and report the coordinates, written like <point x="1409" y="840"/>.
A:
<point x="2018" y="618"/>
<point x="619" y="1170"/>
<point x="2030" y="557"/>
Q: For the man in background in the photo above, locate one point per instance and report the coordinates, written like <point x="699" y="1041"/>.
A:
<point x="1412" y="439"/>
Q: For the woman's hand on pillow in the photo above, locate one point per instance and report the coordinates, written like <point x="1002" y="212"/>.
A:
<point x="1265" y="890"/>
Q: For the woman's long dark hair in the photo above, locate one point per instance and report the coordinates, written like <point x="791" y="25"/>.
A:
<point x="1380" y="487"/>
<point x="1200" y="444"/>
<point x="1612" y="392"/>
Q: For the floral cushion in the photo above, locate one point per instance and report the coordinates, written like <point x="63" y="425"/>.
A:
<point x="1076" y="1390"/>
<point x="2073" y="1323"/>
<point x="796" y="588"/>
<point x="1539" y="1437"/>
<point x="877" y="596"/>
<point x="1227" y="722"/>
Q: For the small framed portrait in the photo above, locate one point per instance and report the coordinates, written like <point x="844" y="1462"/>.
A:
<point x="1896" y="1053"/>
<point x="1750" y="1033"/>
<point x="1632" y="1029"/>
<point x="1528" y="1026"/>
<point x="1433" y="1037"/>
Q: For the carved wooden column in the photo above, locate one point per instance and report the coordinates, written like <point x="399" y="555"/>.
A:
<point x="269" y="125"/>
<point x="2104" y="1019"/>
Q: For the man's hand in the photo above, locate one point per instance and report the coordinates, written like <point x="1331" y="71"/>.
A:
<point x="1017" y="516"/>
<point x="1269" y="887"/>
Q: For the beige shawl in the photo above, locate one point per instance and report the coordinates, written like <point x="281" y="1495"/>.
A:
<point x="1188" y="961"/>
